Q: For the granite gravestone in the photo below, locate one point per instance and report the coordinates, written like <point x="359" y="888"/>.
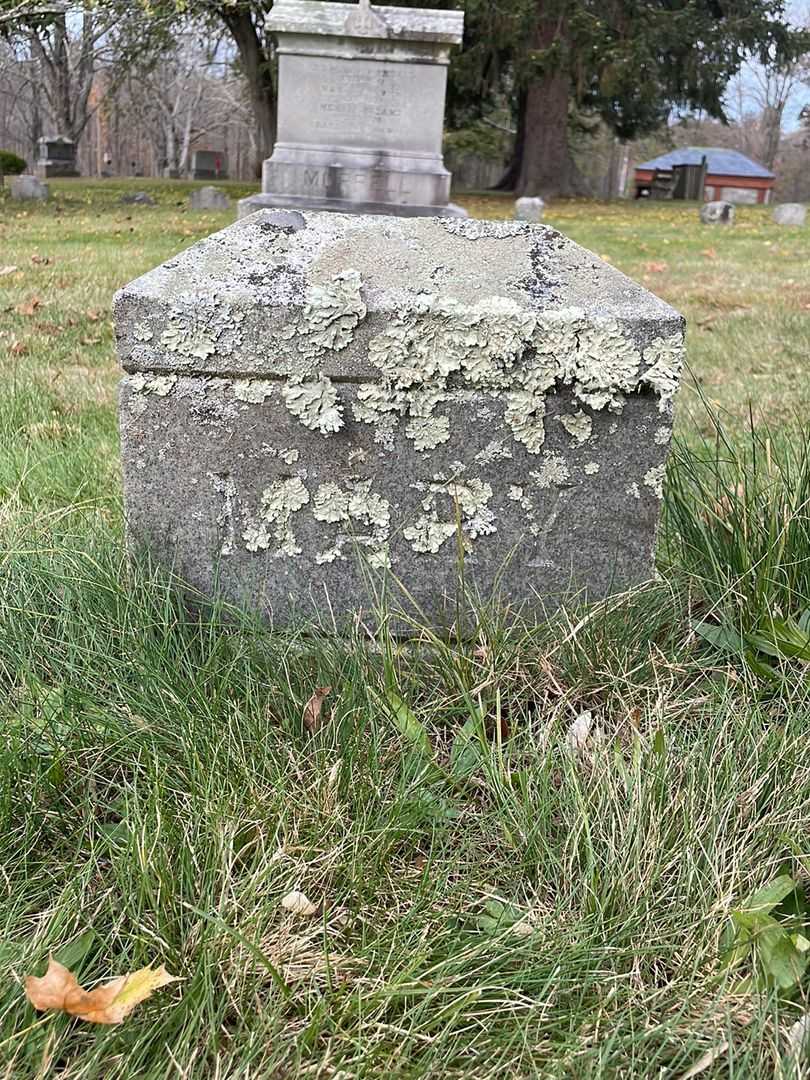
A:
<point x="312" y="398"/>
<point x="717" y="213"/>
<point x="790" y="214"/>
<point x="209" y="198"/>
<point x="56" y="156"/>
<point x="209" y="165"/>
<point x="530" y="209"/>
<point x="28" y="187"/>
<point x="360" y="109"/>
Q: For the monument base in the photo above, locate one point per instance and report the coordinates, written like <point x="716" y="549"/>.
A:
<point x="49" y="170"/>
<point x="269" y="201"/>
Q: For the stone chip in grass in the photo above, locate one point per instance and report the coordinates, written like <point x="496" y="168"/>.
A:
<point x="297" y="903"/>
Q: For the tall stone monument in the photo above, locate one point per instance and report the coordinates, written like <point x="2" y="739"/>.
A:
<point x="360" y="109"/>
<point x="56" y="156"/>
<point x="313" y="400"/>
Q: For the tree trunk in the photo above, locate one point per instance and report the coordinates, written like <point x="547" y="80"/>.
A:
<point x="509" y="180"/>
<point x="257" y="69"/>
<point x="547" y="167"/>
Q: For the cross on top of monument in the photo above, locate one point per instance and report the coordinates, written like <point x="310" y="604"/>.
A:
<point x="364" y="20"/>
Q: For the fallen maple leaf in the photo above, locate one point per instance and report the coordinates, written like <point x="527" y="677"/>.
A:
<point x="298" y="903"/>
<point x="29" y="307"/>
<point x="111" y="1003"/>
<point x="40" y="260"/>
<point x="655" y="267"/>
<point x="312" y="709"/>
<point x="18" y="348"/>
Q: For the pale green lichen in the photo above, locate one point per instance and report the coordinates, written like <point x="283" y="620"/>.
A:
<point x="662" y="436"/>
<point x="578" y="425"/>
<point x="328" y="317"/>
<point x="493" y="451"/>
<point x="142" y="333"/>
<point x="354" y="506"/>
<point x="633" y="490"/>
<point x="591" y="468"/>
<point x="210" y="328"/>
<point x="225" y="486"/>
<point x="553" y="471"/>
<point x="253" y="391"/>
<point x="654" y="479"/>
<point x="427" y="534"/>
<point x="161" y="385"/>
<point x="315" y="404"/>
<point x="666" y="359"/>
<point x="279" y="502"/>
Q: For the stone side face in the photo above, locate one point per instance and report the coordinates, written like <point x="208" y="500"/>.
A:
<point x="312" y="402"/>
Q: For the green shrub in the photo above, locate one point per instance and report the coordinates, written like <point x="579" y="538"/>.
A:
<point x="11" y="163"/>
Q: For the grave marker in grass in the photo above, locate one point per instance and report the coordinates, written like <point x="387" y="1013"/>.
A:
<point x="312" y="398"/>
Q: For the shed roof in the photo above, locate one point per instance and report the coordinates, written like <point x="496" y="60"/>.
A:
<point x="721" y="162"/>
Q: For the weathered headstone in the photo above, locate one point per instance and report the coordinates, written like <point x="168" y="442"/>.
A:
<point x="26" y="186"/>
<point x="56" y="156"/>
<point x="308" y="393"/>
<point x="209" y="198"/>
<point x="717" y="213"/>
<point x="360" y="109"/>
<point x="529" y="209"/>
<point x="209" y="165"/>
<point x="137" y="198"/>
<point x="790" y="214"/>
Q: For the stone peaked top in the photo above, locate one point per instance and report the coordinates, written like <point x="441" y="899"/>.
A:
<point x="360" y="20"/>
<point x="287" y="294"/>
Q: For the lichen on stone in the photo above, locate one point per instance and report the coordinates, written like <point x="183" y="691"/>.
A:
<point x="427" y="534"/>
<point x="354" y="506"/>
<point x="253" y="391"/>
<point x="225" y="486"/>
<point x="591" y="468"/>
<point x="633" y="490"/>
<point x="578" y="425"/>
<point x="212" y="327"/>
<point x="315" y="404"/>
<point x="161" y="385"/>
<point x="279" y="502"/>
<point x="328" y="317"/>
<point x="654" y="479"/>
<point x="666" y="359"/>
<point x="552" y="472"/>
<point x="142" y="333"/>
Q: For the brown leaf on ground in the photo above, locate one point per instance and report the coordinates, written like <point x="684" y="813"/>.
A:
<point x="40" y="260"/>
<point x="29" y="307"/>
<point x="107" y="1004"/>
<point x="312" y="709"/>
<point x="656" y="267"/>
<point x="93" y="316"/>
<point x="18" y="348"/>
<point x="709" y="253"/>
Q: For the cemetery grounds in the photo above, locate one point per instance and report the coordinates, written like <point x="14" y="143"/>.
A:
<point x="534" y="853"/>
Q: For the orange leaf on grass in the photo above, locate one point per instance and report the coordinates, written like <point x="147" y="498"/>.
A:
<point x="111" y="1003"/>
<point x="312" y="709"/>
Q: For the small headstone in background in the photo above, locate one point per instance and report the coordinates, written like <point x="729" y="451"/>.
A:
<point x="209" y="198"/>
<point x="717" y="213"/>
<point x="312" y="398"/>
<point x="529" y="209"/>
<point x="137" y="198"/>
<point x="790" y="213"/>
<point x="209" y="165"/>
<point x="26" y="186"/>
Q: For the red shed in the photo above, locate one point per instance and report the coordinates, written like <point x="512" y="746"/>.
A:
<point x="729" y="175"/>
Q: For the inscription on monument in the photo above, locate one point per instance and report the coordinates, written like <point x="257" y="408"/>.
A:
<point x="360" y="109"/>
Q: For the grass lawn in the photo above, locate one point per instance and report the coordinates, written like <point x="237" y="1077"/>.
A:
<point x="495" y="896"/>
